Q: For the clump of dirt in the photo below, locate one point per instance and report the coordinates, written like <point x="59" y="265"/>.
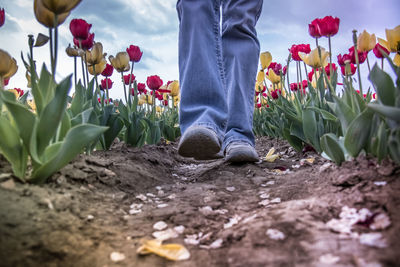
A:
<point x="292" y="212"/>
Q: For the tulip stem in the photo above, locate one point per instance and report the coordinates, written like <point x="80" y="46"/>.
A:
<point x="382" y="63"/>
<point x="330" y="56"/>
<point x="75" y="72"/>
<point x="83" y="72"/>
<point x="107" y="93"/>
<point x="369" y="68"/>
<point x="305" y="68"/>
<point x="86" y="69"/>
<point x="301" y="77"/>
<point x="51" y="50"/>
<point x="357" y="60"/>
<point x="126" y="98"/>
<point x="1" y="83"/>
<point x="287" y="73"/>
<point x="55" y="45"/>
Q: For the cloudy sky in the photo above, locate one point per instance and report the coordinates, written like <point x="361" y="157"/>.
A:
<point x="153" y="26"/>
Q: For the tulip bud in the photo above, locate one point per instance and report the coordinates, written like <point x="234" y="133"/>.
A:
<point x="174" y="88"/>
<point x="393" y="39"/>
<point x="366" y="41"/>
<point x="273" y="77"/>
<point x="2" y="17"/>
<point x="8" y="65"/>
<point x="72" y="52"/>
<point x="265" y="59"/>
<point x="98" y="68"/>
<point x="60" y="6"/>
<point x="95" y="56"/>
<point x="120" y="62"/>
<point x="134" y="52"/>
<point x="41" y="40"/>
<point x="260" y="76"/>
<point x="154" y="82"/>
<point x="45" y="16"/>
<point x="313" y="60"/>
<point x="28" y="78"/>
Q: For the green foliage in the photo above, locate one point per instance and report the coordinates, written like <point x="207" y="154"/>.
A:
<point x="48" y="137"/>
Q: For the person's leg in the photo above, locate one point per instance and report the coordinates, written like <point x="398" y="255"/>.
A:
<point x="241" y="51"/>
<point x="201" y="75"/>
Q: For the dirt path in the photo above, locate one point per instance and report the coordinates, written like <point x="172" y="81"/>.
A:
<point x="266" y="214"/>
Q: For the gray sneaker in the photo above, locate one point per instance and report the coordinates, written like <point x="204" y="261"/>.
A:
<point x="200" y="143"/>
<point x="241" y="152"/>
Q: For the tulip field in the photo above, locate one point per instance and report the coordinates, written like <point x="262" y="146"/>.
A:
<point x="87" y="180"/>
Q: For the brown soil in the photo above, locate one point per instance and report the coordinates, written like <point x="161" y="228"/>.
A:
<point x="82" y="214"/>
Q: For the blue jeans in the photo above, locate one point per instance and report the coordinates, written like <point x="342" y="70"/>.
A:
<point x="218" y="67"/>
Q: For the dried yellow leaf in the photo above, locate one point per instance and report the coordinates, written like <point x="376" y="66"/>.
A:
<point x="175" y="252"/>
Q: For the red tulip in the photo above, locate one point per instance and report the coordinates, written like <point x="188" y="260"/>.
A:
<point x="277" y="68"/>
<point x="154" y="82"/>
<point x="342" y="59"/>
<point x="80" y="28"/>
<point x="378" y="53"/>
<point x="165" y="102"/>
<point x="328" y="68"/>
<point x="106" y="83"/>
<point x="293" y="86"/>
<point x="129" y="77"/>
<point x="108" y="71"/>
<point x="19" y="91"/>
<point x="133" y="91"/>
<point x="134" y="53"/>
<point x="87" y="43"/>
<point x="353" y="69"/>
<point x="141" y="87"/>
<point x="295" y="49"/>
<point x="329" y="26"/>
<point x="2" y="17"/>
<point x="6" y="81"/>
<point x="275" y="93"/>
<point x="362" y="56"/>
<point x="305" y="85"/>
<point x="105" y="100"/>
<point x="310" y="75"/>
<point x="258" y="105"/>
<point x="313" y="28"/>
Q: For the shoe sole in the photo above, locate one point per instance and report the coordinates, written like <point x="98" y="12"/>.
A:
<point x="200" y="143"/>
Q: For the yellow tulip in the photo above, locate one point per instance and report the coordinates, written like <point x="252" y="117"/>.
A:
<point x="141" y="102"/>
<point x="273" y="77"/>
<point x="31" y="103"/>
<point x="95" y="56"/>
<point x="60" y="6"/>
<point x="120" y="62"/>
<point x="259" y="86"/>
<point x="45" y="16"/>
<point x="159" y="109"/>
<point x="265" y="59"/>
<point x="14" y="92"/>
<point x="396" y="59"/>
<point x="260" y="76"/>
<point x="176" y="100"/>
<point x="98" y="67"/>
<point x="174" y="88"/>
<point x="8" y="65"/>
<point x="165" y="96"/>
<point x="312" y="59"/>
<point x="393" y="39"/>
<point x="366" y="42"/>
<point x="28" y="78"/>
<point x="149" y="99"/>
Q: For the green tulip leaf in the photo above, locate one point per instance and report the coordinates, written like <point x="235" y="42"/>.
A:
<point x="392" y="113"/>
<point x="52" y="115"/>
<point x="394" y="145"/>
<point x="358" y="132"/>
<point x="75" y="140"/>
<point x="384" y="86"/>
<point x="12" y="149"/>
<point x="332" y="147"/>
<point x="382" y="149"/>
<point x="310" y="128"/>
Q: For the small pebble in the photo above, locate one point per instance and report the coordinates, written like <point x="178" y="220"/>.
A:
<point x="90" y="217"/>
<point x="162" y="205"/>
<point x="231" y="188"/>
<point x="116" y="256"/>
<point x="275" y="234"/>
<point x="161" y="225"/>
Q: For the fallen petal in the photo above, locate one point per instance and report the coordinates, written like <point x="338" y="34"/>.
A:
<point x="160" y="226"/>
<point x="165" y="235"/>
<point x="373" y="240"/>
<point x="175" y="252"/>
<point x="275" y="234"/>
